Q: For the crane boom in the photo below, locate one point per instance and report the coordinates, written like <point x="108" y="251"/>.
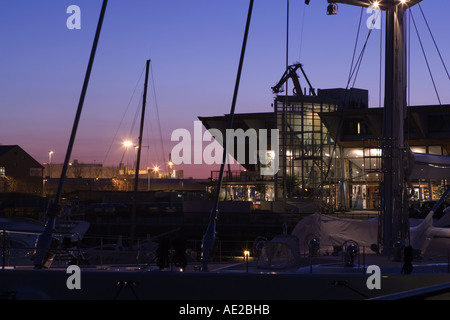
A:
<point x="291" y="72"/>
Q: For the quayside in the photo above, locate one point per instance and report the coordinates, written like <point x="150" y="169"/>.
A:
<point x="327" y="279"/>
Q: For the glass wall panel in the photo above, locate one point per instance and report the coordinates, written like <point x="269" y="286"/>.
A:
<point x="307" y="152"/>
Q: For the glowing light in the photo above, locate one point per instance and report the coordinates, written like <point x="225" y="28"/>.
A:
<point x="402" y="1"/>
<point x="376" y="4"/>
<point x="155" y="168"/>
<point x="358" y="153"/>
<point x="246" y="255"/>
<point x="373" y="152"/>
<point x="127" y="143"/>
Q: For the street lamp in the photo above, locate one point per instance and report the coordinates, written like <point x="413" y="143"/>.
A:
<point x="246" y="255"/>
<point x="155" y="169"/>
<point x="170" y="163"/>
<point x="49" y="162"/>
<point x="127" y="144"/>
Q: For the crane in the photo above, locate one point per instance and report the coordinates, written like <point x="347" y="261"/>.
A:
<point x="291" y="72"/>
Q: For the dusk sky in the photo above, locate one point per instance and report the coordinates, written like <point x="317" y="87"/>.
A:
<point x="194" y="47"/>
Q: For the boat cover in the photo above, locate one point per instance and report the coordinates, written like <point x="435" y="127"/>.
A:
<point x="280" y="253"/>
<point x="334" y="232"/>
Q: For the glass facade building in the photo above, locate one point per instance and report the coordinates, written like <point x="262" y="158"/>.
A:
<point x="331" y="150"/>
<point x="308" y="154"/>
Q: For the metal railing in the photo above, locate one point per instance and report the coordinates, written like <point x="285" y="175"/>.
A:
<point x="15" y="252"/>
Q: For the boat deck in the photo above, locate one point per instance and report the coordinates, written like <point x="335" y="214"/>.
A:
<point x="336" y="264"/>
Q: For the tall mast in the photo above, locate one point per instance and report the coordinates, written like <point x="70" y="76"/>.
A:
<point x="138" y="160"/>
<point x="44" y="240"/>
<point x="394" y="214"/>
<point x="394" y="219"/>
<point x="210" y="235"/>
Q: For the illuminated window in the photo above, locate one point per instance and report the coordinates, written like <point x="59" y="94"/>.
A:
<point x="355" y="127"/>
<point x="2" y="172"/>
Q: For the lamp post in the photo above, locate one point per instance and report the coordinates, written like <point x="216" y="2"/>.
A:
<point x="127" y="144"/>
<point x="156" y="170"/>
<point x="170" y="163"/>
<point x="148" y="177"/>
<point x="50" y="162"/>
<point x="246" y="255"/>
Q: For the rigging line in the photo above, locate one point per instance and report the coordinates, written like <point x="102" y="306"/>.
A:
<point x="426" y="60"/>
<point x="148" y="136"/>
<point x="157" y="115"/>
<point x="123" y="116"/>
<point x="437" y="49"/>
<point x="359" y="61"/>
<point x="360" y="58"/>
<point x="136" y="116"/>
<point x="301" y="32"/>
<point x="356" y="45"/>
<point x="151" y="139"/>
<point x="435" y="44"/>
<point x="354" y="53"/>
<point x="287" y="35"/>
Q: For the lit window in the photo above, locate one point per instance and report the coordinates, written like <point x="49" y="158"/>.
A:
<point x="2" y="172"/>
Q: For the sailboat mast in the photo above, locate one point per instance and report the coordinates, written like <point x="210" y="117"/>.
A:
<point x="394" y="218"/>
<point x="394" y="222"/>
<point x="44" y="240"/>
<point x="138" y="160"/>
<point x="210" y="234"/>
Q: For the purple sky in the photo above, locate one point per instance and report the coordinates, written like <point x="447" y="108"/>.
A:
<point x="194" y="47"/>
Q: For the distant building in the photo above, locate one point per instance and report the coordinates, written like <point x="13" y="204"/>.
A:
<point x="78" y="169"/>
<point x="94" y="177"/>
<point x="19" y="172"/>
